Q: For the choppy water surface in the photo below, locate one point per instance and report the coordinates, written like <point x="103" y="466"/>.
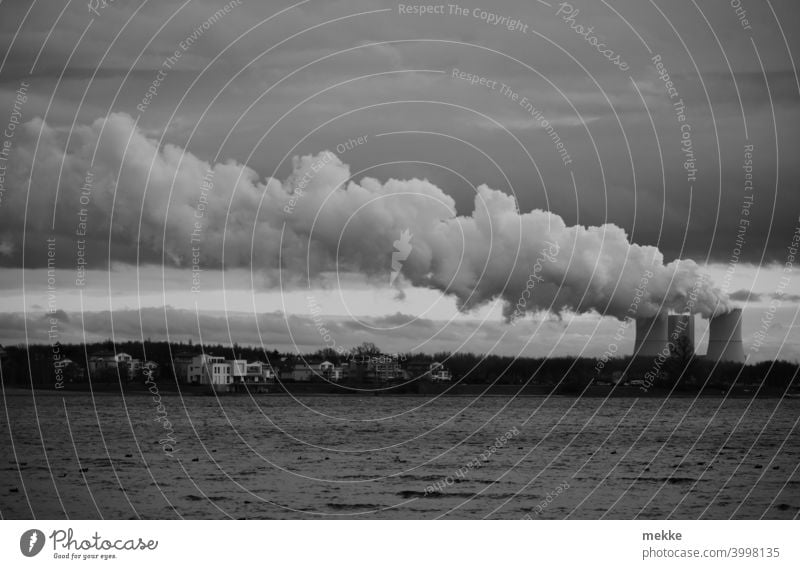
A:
<point x="78" y="456"/>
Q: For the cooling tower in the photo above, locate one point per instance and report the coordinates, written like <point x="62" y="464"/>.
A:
<point x="681" y="325"/>
<point x="651" y="335"/>
<point x="725" y="337"/>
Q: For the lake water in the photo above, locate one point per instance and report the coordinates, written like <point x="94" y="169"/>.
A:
<point x="77" y="456"/>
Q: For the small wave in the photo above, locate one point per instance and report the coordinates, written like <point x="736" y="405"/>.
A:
<point x="363" y="507"/>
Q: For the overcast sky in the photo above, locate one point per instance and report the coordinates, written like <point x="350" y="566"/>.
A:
<point x="148" y="97"/>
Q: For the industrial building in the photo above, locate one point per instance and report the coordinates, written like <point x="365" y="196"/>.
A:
<point x="661" y="333"/>
<point x="651" y="335"/>
<point x="725" y="337"/>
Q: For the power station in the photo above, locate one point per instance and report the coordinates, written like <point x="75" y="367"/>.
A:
<point x="725" y="337"/>
<point x="659" y="334"/>
<point x="651" y="335"/>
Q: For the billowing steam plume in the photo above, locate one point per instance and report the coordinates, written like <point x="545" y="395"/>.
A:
<point x="325" y="222"/>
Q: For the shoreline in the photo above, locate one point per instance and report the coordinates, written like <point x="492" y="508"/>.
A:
<point x="472" y="392"/>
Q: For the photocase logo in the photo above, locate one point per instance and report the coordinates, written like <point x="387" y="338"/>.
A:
<point x="31" y="542"/>
<point x="402" y="250"/>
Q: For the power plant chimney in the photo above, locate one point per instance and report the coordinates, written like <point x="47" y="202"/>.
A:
<point x="651" y="336"/>
<point x="725" y="337"/>
<point x="681" y="326"/>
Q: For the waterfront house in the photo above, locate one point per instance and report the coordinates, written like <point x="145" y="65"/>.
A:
<point x="260" y="371"/>
<point x="437" y="372"/>
<point x="108" y="359"/>
<point x="330" y="372"/>
<point x="206" y="369"/>
<point x="254" y="371"/>
<point x="221" y="372"/>
<point x="313" y="370"/>
<point x="237" y="370"/>
<point x="181" y="363"/>
<point x="422" y="369"/>
<point x="386" y="368"/>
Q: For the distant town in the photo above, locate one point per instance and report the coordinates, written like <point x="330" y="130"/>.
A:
<point x="241" y="369"/>
<point x="217" y="369"/>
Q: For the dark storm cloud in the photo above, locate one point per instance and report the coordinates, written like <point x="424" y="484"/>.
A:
<point x="745" y="296"/>
<point x="786" y="297"/>
<point x="267" y="329"/>
<point x="751" y="86"/>
<point x="69" y="74"/>
<point x="702" y="225"/>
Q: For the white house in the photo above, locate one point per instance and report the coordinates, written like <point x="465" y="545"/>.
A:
<point x="221" y="372"/>
<point x="386" y="368"/>
<point x="237" y="370"/>
<point x="438" y="372"/>
<point x="201" y="370"/>
<point x="313" y="371"/>
<point x="330" y="372"/>
<point x="260" y="371"/>
<point x="268" y="372"/>
<point x="103" y="360"/>
<point x="216" y="370"/>
<point x="254" y="370"/>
